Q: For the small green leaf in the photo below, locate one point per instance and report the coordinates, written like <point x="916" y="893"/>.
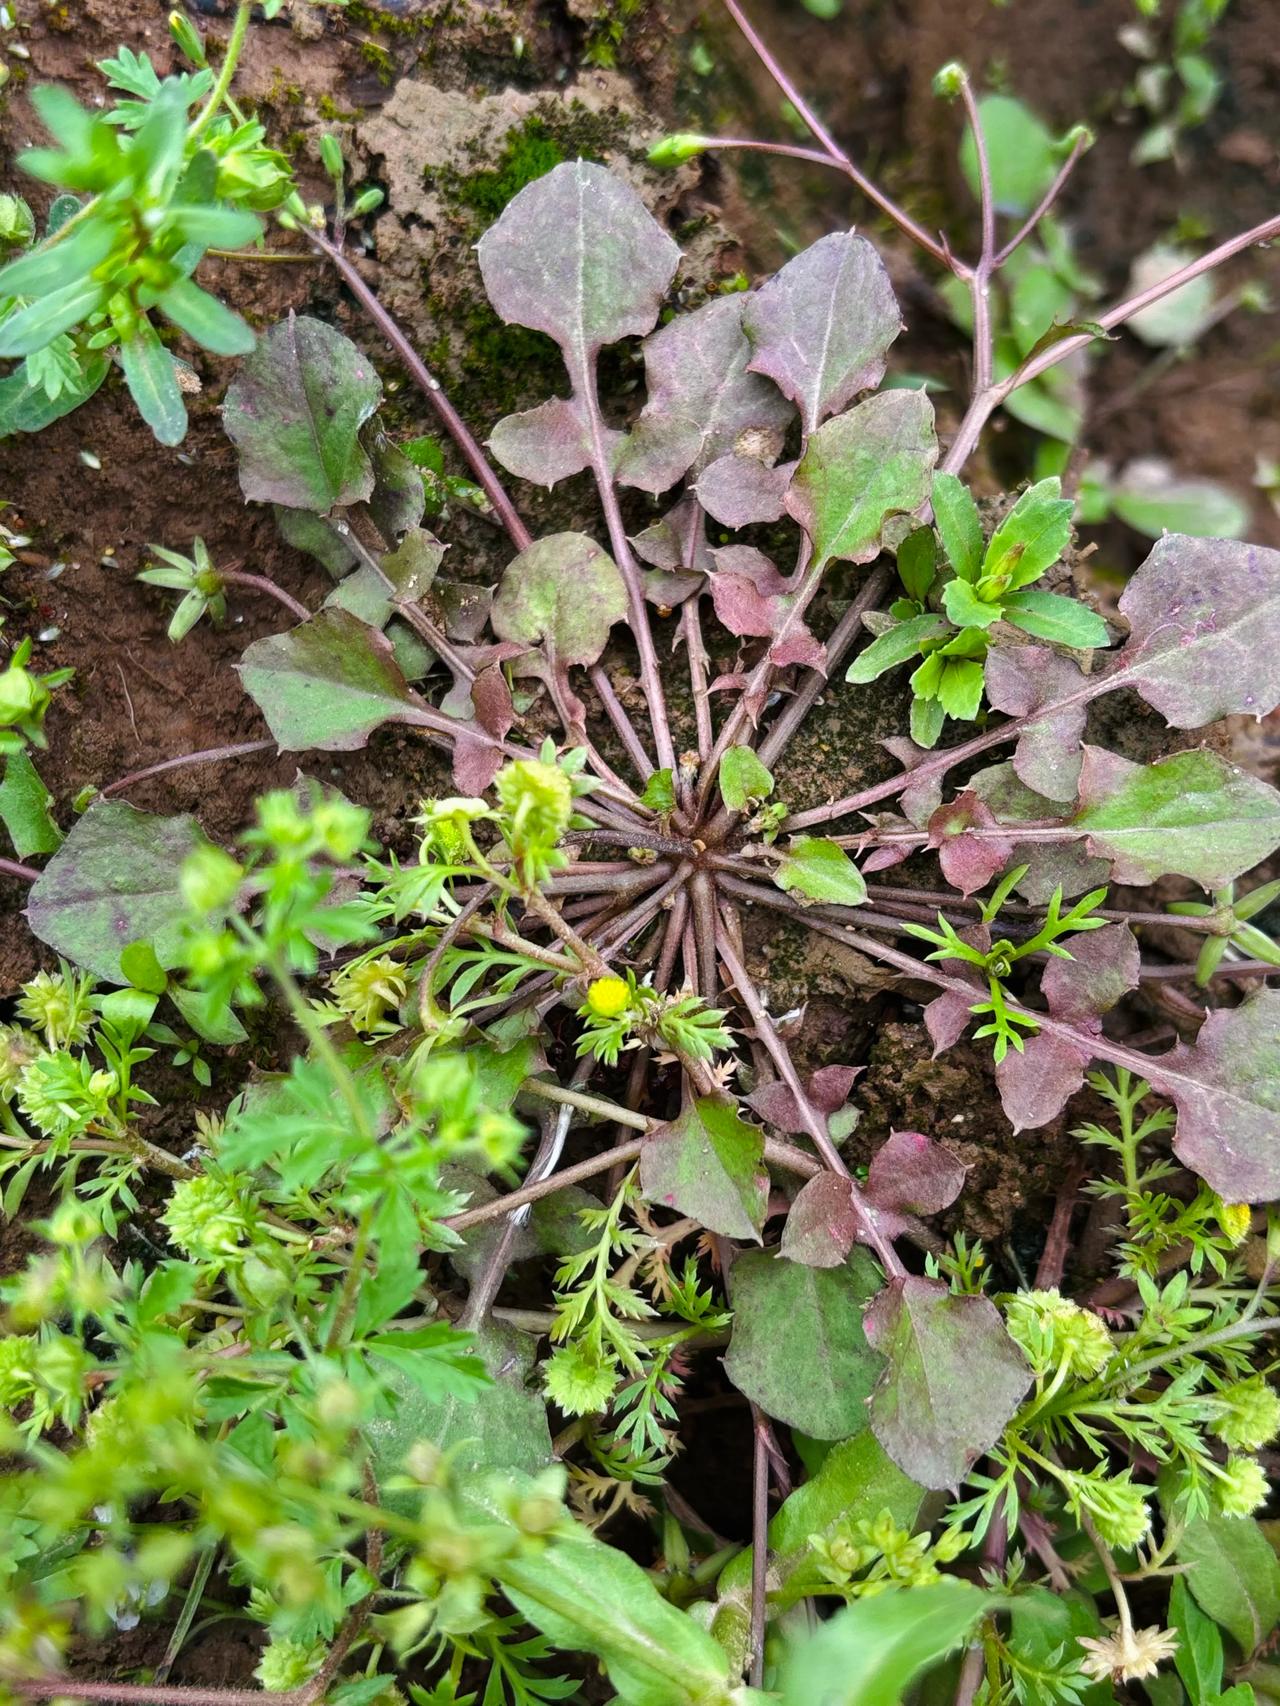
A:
<point x="294" y="414"/>
<point x="821" y="871"/>
<point x="1199" y="1657"/>
<point x="1061" y="621"/>
<point x="960" y="688"/>
<point x="660" y="792"/>
<point x="505" y="1430"/>
<point x="588" y="1596"/>
<point x="211" y="323"/>
<point x="959" y="524"/>
<point x="918" y="562"/>
<point x="709" y="1163"/>
<point x="1040" y="522"/>
<point x="51" y="266"/>
<point x="40" y="322"/>
<point x="856" y="1481"/>
<point x="868" y="1654"/>
<point x="153" y="383"/>
<point x="896" y="646"/>
<point x="327" y="683"/>
<point x="965" y="608"/>
<point x="927" y="718"/>
<point x="24" y="807"/>
<point x="1022" y="154"/>
<point x="674" y="150"/>
<point x="743" y="779"/>
<point x="25" y="406"/>
<point x="142" y="969"/>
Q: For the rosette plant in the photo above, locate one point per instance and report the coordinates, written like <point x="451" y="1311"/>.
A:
<point x="562" y="967"/>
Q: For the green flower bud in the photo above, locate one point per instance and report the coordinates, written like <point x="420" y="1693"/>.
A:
<point x="1119" y="1509"/>
<point x="368" y="201"/>
<point x="1242" y="1486"/>
<point x="539" y="800"/>
<point x="1252" y="1415"/>
<point x="676" y="149"/>
<point x="1052" y="1330"/>
<point x="331" y="156"/>
<point x="948" y="82"/>
<point x="1081" y="136"/>
<point x="206" y="1218"/>
<point x="577" y="1382"/>
<point x="288" y="1664"/>
<point x="17" y="223"/>
<point x="210" y="880"/>
<point x="19" y="1355"/>
<point x="185" y="35"/>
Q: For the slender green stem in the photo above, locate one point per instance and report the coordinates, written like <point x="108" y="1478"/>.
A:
<point x="230" y="59"/>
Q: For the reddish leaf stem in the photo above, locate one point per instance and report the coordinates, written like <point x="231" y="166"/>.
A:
<point x="211" y="755"/>
<point x="263" y="583"/>
<point x="623" y="726"/>
<point x="429" y="385"/>
<point x="835" y="153"/>
<point x="814" y="1125"/>
<point x="989" y="399"/>
<point x="1046" y="201"/>
<point x="24" y="873"/>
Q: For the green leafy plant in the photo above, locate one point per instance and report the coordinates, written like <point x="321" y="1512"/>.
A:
<point x="378" y="1277"/>
<point x="946" y="620"/>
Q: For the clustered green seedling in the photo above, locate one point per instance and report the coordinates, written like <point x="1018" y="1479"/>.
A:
<point x="532" y="1044"/>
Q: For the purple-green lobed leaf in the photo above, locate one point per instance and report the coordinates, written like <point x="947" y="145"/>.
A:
<point x="953" y="1378"/>
<point x="798" y="1348"/>
<point x="294" y="414"/>
<point x="114" y="881"/>
<point x="820" y="328"/>
<point x="327" y="683"/>
<point x="1226" y="1086"/>
<point x="578" y="255"/>
<point x="708" y="1163"/>
<point x="1204" y="621"/>
<point x="1190" y="815"/>
<point x="869" y="463"/>
<point x="562" y="592"/>
<point x="701" y="398"/>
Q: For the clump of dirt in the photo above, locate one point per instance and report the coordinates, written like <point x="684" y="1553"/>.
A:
<point x="1012" y="1176"/>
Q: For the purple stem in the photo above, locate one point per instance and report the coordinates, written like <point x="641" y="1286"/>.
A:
<point x="1049" y="197"/>
<point x="24" y="873"/>
<point x="759" y="1542"/>
<point x="582" y="377"/>
<point x="814" y="1125"/>
<point x="211" y="755"/>
<point x="263" y="583"/>
<point x="980" y="278"/>
<point x="838" y="157"/>
<point x="988" y="400"/>
<point x="623" y="726"/>
<point x="429" y="385"/>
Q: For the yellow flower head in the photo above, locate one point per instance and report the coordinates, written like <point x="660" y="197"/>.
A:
<point x="608" y="997"/>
